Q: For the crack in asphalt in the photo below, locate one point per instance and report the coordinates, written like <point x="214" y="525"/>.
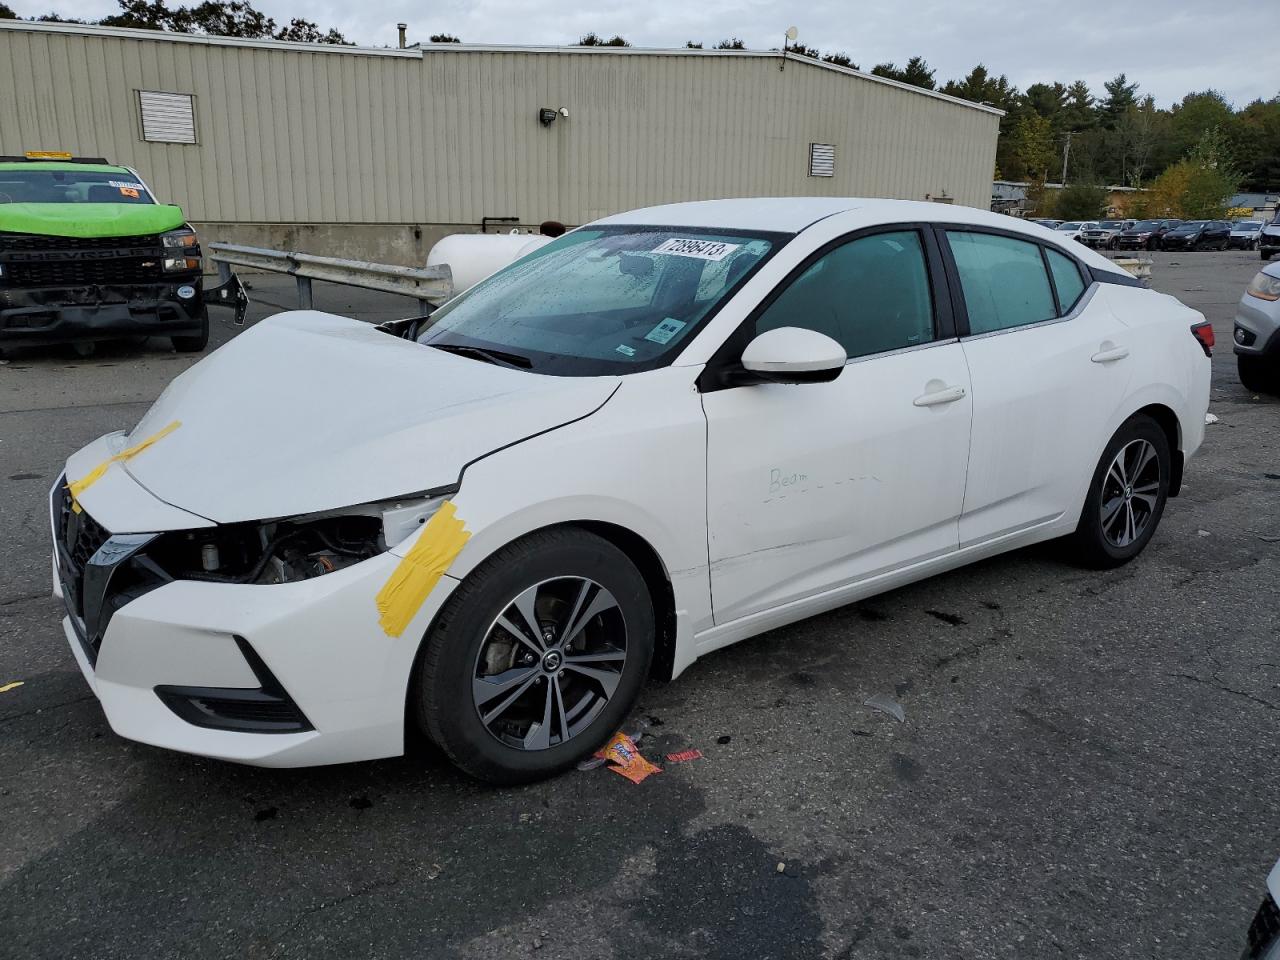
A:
<point x="55" y="706"/>
<point x="1217" y="684"/>
<point x="24" y="598"/>
<point x="302" y="916"/>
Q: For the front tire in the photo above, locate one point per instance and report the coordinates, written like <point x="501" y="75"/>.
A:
<point x="537" y="658"/>
<point x="1258" y="374"/>
<point x="1126" y="497"/>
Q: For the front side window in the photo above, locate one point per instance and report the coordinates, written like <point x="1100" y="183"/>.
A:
<point x="28" y="185"/>
<point x="601" y="300"/>
<point x="1004" y="281"/>
<point x="869" y="295"/>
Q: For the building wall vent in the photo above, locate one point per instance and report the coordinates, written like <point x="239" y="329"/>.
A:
<point x="822" y="160"/>
<point x="167" y="117"/>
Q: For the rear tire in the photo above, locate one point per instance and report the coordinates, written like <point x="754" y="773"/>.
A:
<point x="583" y="701"/>
<point x="1126" y="497"/>
<point x="196" y="342"/>
<point x="84" y="348"/>
<point x="1259" y="374"/>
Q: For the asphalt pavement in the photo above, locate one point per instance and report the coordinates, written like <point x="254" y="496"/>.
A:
<point x="1087" y="767"/>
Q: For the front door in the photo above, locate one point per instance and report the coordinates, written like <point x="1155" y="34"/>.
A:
<point x="814" y="486"/>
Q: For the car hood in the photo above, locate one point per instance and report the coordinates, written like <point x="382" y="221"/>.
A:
<point x="307" y="411"/>
<point x="89" y="219"/>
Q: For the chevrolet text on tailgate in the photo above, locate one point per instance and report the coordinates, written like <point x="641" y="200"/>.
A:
<point x="663" y="432"/>
<point x="87" y="254"/>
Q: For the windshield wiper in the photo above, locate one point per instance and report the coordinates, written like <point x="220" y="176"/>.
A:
<point x="500" y="357"/>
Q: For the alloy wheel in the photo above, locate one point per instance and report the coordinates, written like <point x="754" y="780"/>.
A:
<point x="1130" y="493"/>
<point x="549" y="663"/>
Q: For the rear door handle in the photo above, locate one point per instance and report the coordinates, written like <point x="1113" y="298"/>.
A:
<point x="1107" y="356"/>
<point x="945" y="395"/>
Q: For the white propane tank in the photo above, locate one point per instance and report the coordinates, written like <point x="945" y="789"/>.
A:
<point x="474" y="256"/>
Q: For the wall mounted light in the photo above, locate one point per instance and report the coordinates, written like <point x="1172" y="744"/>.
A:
<point x="547" y="115"/>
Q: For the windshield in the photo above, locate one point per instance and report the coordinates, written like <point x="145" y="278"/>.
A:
<point x="1192" y="225"/>
<point x="1111" y="224"/>
<point x="603" y="300"/>
<point x="71" y="186"/>
<point x="1147" y="225"/>
<point x="1074" y="225"/>
<point x="1249" y="225"/>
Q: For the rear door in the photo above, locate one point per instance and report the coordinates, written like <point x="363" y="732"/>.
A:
<point x="813" y="486"/>
<point x="1049" y="364"/>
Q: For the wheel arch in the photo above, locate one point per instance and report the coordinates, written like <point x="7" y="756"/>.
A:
<point x="1168" y="422"/>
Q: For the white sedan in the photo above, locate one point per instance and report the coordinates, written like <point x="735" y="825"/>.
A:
<point x="663" y="433"/>
<point x="1075" y="229"/>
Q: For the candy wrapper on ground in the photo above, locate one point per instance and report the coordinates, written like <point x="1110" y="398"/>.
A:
<point x="623" y="753"/>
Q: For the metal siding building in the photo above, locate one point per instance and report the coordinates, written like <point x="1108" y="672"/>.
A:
<point x="378" y="152"/>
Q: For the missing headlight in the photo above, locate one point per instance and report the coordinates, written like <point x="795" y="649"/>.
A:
<point x="291" y="549"/>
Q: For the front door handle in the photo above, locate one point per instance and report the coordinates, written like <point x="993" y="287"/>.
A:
<point x="1110" y="354"/>
<point x="945" y="395"/>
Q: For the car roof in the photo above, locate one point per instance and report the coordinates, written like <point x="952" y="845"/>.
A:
<point x="794" y="214"/>
<point x="62" y="166"/>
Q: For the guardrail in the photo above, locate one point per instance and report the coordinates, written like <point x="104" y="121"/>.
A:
<point x="428" y="285"/>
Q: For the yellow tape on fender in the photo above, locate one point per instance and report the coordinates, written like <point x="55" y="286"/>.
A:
<point x="78" y="487"/>
<point x="402" y="596"/>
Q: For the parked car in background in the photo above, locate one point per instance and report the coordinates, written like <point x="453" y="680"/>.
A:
<point x="1051" y="224"/>
<point x="1257" y="332"/>
<point x="1105" y="234"/>
<point x="1245" y="234"/>
<point x="1074" y="229"/>
<point x="644" y="441"/>
<point x="1198" y="235"/>
<point x="1269" y="239"/>
<point x="1145" y="234"/>
<point x="87" y="253"/>
<point x="1263" y="939"/>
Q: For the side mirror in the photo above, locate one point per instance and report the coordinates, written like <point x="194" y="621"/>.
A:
<point x="794" y="355"/>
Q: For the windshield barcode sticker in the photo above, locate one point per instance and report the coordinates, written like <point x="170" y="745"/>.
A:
<point x="701" y="249"/>
<point x="664" y="331"/>
<point x="124" y="184"/>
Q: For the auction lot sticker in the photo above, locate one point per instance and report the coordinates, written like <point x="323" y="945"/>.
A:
<point x="701" y="249"/>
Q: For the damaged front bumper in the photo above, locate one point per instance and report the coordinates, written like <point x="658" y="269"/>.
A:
<point x="39" y="316"/>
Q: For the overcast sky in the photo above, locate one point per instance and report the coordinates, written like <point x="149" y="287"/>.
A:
<point x="1170" y="47"/>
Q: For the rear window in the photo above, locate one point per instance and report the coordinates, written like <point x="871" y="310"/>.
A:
<point x="71" y="186"/>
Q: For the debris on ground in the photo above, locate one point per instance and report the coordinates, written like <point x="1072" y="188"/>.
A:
<point x="782" y="867"/>
<point x="1203" y="533"/>
<point x="684" y="756"/>
<point x="1210" y="418"/>
<point x="626" y="759"/>
<point x="635" y="731"/>
<point x="886" y="704"/>
<point x="12" y="686"/>
<point x="723" y="740"/>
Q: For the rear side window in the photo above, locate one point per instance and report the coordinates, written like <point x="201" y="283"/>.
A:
<point x="1067" y="279"/>
<point x="870" y="295"/>
<point x="1004" y="281"/>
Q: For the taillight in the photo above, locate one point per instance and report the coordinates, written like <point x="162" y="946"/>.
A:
<point x="1204" y="333"/>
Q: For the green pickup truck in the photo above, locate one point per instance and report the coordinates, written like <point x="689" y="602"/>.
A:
<point x="87" y="254"/>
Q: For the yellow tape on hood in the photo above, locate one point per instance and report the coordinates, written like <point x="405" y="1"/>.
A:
<point x="402" y="596"/>
<point x="78" y="487"/>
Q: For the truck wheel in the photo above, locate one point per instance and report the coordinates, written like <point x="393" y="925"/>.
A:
<point x="1266" y="255"/>
<point x="197" y="342"/>
<point x="84" y="348"/>
<point x="1258" y="375"/>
